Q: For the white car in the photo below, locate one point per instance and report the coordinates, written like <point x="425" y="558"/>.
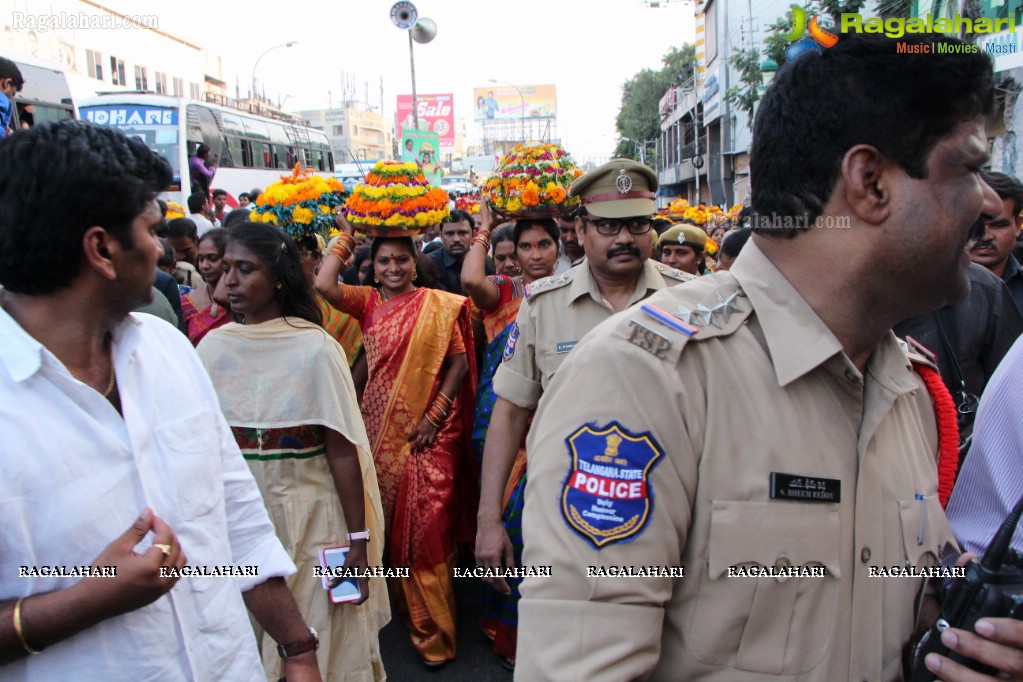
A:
<point x="455" y="185"/>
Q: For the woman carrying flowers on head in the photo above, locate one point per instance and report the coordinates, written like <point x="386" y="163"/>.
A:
<point x="285" y="389"/>
<point x="418" y="410"/>
<point x="499" y="296"/>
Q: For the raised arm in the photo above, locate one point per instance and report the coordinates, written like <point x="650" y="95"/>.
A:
<point x="474" y="267"/>
<point x="326" y="282"/>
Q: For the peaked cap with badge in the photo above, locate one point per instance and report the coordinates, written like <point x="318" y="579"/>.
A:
<point x="687" y="235"/>
<point x="621" y="188"/>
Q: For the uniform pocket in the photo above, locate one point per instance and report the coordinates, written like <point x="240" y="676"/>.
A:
<point x="924" y="527"/>
<point x="772" y="625"/>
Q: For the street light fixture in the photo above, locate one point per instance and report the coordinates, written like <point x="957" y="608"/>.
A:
<point x="290" y="43"/>
<point x="522" y="115"/>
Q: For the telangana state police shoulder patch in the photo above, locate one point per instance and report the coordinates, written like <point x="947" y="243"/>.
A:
<point x="607" y="496"/>
<point x="509" y="346"/>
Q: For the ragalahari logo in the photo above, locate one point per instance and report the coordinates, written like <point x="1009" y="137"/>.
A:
<point x="819" y="37"/>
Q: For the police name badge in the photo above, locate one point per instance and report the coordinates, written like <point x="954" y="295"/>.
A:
<point x="509" y="346"/>
<point x="805" y="488"/>
<point x="607" y="496"/>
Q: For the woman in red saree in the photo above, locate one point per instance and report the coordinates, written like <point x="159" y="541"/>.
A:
<point x="418" y="408"/>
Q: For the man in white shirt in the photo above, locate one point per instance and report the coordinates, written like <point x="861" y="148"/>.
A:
<point x="93" y="450"/>
<point x="198" y="208"/>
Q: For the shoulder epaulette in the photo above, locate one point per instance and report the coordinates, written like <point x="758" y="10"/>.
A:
<point x="918" y="353"/>
<point x="674" y="317"/>
<point x="546" y="284"/>
<point x="674" y="273"/>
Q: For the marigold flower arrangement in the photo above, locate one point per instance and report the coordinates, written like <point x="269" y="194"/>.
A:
<point x="175" y="210"/>
<point x="681" y="210"/>
<point x="533" y="178"/>
<point x="396" y="200"/>
<point x="300" y="204"/>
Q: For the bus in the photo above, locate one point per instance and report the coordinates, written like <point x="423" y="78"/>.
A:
<point x="254" y="145"/>
<point x="45" y="98"/>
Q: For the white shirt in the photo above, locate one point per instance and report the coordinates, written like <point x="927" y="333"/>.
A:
<point x="77" y="475"/>
<point x="989" y="483"/>
<point x="202" y="223"/>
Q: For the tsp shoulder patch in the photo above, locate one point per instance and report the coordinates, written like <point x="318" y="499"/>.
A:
<point x="607" y="496"/>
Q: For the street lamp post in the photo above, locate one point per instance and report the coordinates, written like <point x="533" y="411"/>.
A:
<point x="522" y="115"/>
<point x="290" y="43"/>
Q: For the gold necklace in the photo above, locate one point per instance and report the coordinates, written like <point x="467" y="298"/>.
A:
<point x="113" y="376"/>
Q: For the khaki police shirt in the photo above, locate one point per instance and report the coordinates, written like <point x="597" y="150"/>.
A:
<point x="556" y="314"/>
<point x="675" y="439"/>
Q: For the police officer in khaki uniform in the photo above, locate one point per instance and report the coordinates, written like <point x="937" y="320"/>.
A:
<point x="761" y="431"/>
<point x="616" y="235"/>
<point x="682" y="248"/>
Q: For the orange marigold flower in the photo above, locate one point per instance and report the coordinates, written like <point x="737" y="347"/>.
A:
<point x="531" y="195"/>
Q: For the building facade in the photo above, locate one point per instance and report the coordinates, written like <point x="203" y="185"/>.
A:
<point x="355" y="134"/>
<point x="103" y="50"/>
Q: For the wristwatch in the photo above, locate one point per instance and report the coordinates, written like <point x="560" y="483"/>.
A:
<point x="364" y="535"/>
<point x="311" y="643"/>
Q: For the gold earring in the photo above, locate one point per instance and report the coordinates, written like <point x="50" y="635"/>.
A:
<point x="414" y="275"/>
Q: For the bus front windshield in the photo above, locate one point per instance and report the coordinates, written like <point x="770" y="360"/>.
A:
<point x="156" y="127"/>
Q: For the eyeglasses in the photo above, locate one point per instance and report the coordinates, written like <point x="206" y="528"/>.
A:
<point x="609" y="227"/>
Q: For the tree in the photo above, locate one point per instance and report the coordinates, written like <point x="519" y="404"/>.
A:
<point x="639" y="117"/>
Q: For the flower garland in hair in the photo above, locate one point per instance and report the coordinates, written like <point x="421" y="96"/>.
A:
<point x="533" y="178"/>
<point x="301" y="204"/>
<point x="396" y="199"/>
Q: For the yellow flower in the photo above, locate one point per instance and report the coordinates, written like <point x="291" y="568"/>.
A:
<point x="302" y="215"/>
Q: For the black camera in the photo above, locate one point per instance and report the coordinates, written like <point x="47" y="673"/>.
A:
<point x="992" y="588"/>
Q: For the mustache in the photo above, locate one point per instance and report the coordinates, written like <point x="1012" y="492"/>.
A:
<point x="623" y="250"/>
<point x="980" y="245"/>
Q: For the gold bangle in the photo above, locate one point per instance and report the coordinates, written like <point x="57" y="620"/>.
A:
<point x="17" y="628"/>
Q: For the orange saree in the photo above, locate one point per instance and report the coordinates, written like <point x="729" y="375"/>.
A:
<point x="429" y="497"/>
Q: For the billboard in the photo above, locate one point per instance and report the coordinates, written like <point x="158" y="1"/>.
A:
<point x="436" y="115"/>
<point x="503" y="103"/>
<point x="421" y="146"/>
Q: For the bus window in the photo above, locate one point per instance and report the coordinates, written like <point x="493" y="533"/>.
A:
<point x="247" y="154"/>
<point x="318" y="159"/>
<point x="268" y="156"/>
<point x="280" y="156"/>
<point x="234" y="145"/>
<point x="308" y="156"/>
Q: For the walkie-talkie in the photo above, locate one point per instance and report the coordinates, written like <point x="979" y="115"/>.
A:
<point x="992" y="588"/>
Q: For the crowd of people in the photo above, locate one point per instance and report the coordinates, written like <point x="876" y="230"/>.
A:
<point x="607" y="410"/>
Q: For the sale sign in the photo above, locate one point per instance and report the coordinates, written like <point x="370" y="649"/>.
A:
<point x="436" y="115"/>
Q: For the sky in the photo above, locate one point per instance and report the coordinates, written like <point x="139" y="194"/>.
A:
<point x="587" y="48"/>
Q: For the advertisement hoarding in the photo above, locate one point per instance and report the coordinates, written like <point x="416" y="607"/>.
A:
<point x="436" y="115"/>
<point x="421" y="146"/>
<point x="503" y="103"/>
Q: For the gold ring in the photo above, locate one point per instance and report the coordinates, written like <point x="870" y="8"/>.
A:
<point x="166" y="549"/>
